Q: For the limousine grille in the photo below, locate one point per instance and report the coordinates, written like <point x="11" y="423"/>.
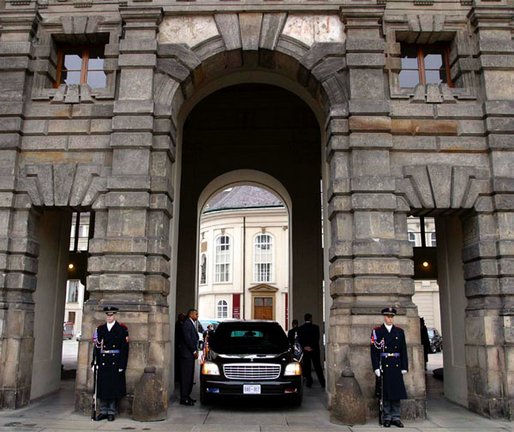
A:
<point x="251" y="371"/>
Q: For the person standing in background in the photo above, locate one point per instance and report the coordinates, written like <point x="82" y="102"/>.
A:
<point x="308" y="337"/>
<point x="188" y="353"/>
<point x="292" y="334"/>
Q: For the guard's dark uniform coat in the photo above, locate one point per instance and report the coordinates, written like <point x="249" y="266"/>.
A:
<point x="394" y="360"/>
<point x="111" y="355"/>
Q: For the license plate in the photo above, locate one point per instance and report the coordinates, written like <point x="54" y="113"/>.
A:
<point x="251" y="389"/>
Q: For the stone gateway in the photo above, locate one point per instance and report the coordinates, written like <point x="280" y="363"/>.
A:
<point x="138" y="111"/>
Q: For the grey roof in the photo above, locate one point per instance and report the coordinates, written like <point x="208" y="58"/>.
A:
<point x="239" y="197"/>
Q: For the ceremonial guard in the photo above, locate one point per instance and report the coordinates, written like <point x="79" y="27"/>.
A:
<point x="110" y="356"/>
<point x="390" y="363"/>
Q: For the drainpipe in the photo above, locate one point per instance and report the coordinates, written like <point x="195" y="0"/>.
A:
<point x="243" y="303"/>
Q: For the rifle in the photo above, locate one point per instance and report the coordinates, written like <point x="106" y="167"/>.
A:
<point x="93" y="402"/>
<point x="381" y="401"/>
<point x="379" y="381"/>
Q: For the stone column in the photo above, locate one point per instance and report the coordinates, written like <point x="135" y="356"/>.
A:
<point x="18" y="249"/>
<point x="489" y="236"/>
<point x="370" y="255"/>
<point x="129" y="262"/>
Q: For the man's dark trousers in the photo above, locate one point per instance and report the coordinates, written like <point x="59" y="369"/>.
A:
<point x="309" y="358"/>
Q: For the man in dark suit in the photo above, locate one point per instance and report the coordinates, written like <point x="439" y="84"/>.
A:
<point x="292" y="334"/>
<point x="188" y="352"/>
<point x="389" y="357"/>
<point x="110" y="356"/>
<point x="308" y="337"/>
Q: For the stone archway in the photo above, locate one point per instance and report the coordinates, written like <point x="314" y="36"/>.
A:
<point x="283" y="155"/>
<point x="236" y="50"/>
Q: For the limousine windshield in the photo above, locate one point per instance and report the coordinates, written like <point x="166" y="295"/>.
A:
<point x="244" y="338"/>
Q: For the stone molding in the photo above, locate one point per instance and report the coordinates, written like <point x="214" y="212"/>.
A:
<point x="83" y="29"/>
<point x="414" y="28"/>
<point x="319" y="67"/>
<point x="441" y="187"/>
<point x="62" y="185"/>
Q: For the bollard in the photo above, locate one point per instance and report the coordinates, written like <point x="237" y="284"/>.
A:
<point x="348" y="405"/>
<point x="150" y="400"/>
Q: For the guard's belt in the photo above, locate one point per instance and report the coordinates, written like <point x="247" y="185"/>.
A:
<point x="389" y="354"/>
<point x="110" y="351"/>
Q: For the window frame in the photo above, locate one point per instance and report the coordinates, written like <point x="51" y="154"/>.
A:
<point x="228" y="262"/>
<point x="224" y="307"/>
<point x="85" y="51"/>
<point x="73" y="291"/>
<point x="256" y="273"/>
<point x="203" y="269"/>
<point x="420" y="58"/>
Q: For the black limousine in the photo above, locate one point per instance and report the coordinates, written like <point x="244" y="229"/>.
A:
<point x="250" y="359"/>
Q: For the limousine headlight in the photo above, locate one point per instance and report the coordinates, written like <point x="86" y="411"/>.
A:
<point x="210" y="368"/>
<point x="293" y="369"/>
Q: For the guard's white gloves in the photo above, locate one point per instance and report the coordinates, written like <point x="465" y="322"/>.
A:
<point x="120" y="370"/>
<point x="404" y="371"/>
<point x="377" y="372"/>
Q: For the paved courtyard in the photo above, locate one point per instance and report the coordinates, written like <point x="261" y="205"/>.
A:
<point x="56" y="413"/>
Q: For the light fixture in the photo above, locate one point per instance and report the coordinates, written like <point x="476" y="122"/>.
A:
<point x="425" y="264"/>
<point x="71" y="266"/>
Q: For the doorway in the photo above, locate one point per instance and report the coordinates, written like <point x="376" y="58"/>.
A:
<point x="58" y="298"/>
<point x="440" y="297"/>
<point x="259" y="135"/>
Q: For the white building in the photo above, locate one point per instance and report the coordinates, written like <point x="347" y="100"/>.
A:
<point x="77" y="266"/>
<point x="244" y="256"/>
<point x="426" y="297"/>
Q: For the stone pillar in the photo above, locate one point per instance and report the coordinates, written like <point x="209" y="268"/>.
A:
<point x="18" y="248"/>
<point x="489" y="246"/>
<point x="129" y="262"/>
<point x="370" y="254"/>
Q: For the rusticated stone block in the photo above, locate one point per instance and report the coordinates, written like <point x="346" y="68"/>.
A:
<point x="228" y="25"/>
<point x="373" y="201"/>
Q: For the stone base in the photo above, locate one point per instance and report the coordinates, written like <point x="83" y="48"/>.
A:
<point x="411" y="409"/>
<point x="14" y="399"/>
<point x="492" y="407"/>
<point x="83" y="403"/>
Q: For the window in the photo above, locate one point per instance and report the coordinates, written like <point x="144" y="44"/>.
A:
<point x="222" y="309"/>
<point x="412" y="239"/>
<point x="263" y="258"/>
<point x="73" y="291"/>
<point x="222" y="273"/>
<point x="203" y="270"/>
<point x="79" y="236"/>
<point x="81" y="65"/>
<point x="425" y="64"/>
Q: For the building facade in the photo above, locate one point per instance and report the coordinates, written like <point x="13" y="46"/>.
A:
<point x="244" y="257"/>
<point x="139" y="111"/>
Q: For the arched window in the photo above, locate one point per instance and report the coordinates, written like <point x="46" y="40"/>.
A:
<point x="263" y="258"/>
<point x="222" y="272"/>
<point x="222" y="309"/>
<point x="203" y="269"/>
